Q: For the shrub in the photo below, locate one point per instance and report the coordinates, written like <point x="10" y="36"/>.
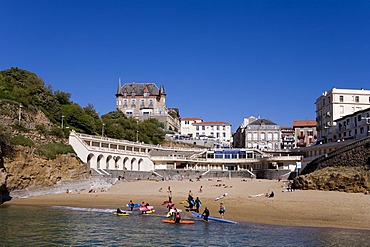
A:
<point x="50" y="151"/>
<point x="22" y="141"/>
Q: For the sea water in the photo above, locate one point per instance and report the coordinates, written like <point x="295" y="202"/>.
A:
<point x="72" y="226"/>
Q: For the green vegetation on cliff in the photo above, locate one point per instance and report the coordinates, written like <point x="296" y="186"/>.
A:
<point x="21" y="87"/>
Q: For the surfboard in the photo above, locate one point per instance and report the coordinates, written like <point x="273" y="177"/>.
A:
<point x="171" y="212"/>
<point x="181" y="221"/>
<point x="213" y="218"/>
<point x="146" y="208"/>
<point x="136" y="205"/>
<point x="220" y="197"/>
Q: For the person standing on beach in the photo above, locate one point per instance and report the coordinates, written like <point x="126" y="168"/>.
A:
<point x="197" y="204"/>
<point x="205" y="214"/>
<point x="222" y="210"/>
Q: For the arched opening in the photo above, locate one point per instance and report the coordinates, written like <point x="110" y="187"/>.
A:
<point x="98" y="162"/>
<point x="90" y="161"/>
<point x="126" y="164"/>
<point x="133" y="165"/>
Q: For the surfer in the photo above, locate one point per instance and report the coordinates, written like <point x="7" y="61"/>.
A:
<point x="131" y="205"/>
<point x="119" y="211"/>
<point x="205" y="214"/>
<point x="222" y="210"/>
<point x="177" y="217"/>
<point x="197" y="204"/>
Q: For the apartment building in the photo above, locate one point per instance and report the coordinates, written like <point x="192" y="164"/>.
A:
<point x="354" y="126"/>
<point x="335" y="104"/>
<point x="287" y="137"/>
<point x="197" y="128"/>
<point x="305" y="133"/>
<point x="146" y="100"/>
<point x="258" y="133"/>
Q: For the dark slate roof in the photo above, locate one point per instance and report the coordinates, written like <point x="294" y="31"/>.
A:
<point x="139" y="88"/>
<point x="262" y="121"/>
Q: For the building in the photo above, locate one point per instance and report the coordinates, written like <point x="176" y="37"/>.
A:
<point x="257" y="133"/>
<point x="305" y="133"/>
<point x="196" y="128"/>
<point x="354" y="126"/>
<point x="287" y="138"/>
<point x="146" y="100"/>
<point x="335" y="104"/>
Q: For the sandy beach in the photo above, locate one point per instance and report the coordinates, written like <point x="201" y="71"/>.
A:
<point x="298" y="208"/>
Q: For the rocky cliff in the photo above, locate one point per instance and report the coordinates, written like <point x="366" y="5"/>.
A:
<point x="26" y="170"/>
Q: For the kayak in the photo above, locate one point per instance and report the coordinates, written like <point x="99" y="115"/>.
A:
<point x="181" y="221"/>
<point x="148" y="211"/>
<point x="121" y="214"/>
<point x="213" y="218"/>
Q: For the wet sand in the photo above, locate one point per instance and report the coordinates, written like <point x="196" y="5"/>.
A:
<point x="298" y="208"/>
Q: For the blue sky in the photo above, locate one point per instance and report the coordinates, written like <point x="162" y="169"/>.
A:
<point x="219" y="60"/>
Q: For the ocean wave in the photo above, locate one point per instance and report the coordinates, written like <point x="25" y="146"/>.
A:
<point x="97" y="210"/>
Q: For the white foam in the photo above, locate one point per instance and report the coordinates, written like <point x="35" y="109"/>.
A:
<point x="98" y="210"/>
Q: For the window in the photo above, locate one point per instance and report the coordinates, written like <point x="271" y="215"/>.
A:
<point x="151" y="103"/>
<point x="142" y="102"/>
<point x="341" y="109"/>
<point x="203" y="127"/>
<point x="146" y="95"/>
<point x="357" y="98"/>
<point x="133" y="102"/>
<point x="341" y="98"/>
<point x="125" y="102"/>
<point x="197" y="128"/>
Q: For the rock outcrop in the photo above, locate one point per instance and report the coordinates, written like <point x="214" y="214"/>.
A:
<point x="345" y="179"/>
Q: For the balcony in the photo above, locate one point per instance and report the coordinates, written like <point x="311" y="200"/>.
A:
<point x="301" y="144"/>
<point x="146" y="107"/>
<point x="301" y="136"/>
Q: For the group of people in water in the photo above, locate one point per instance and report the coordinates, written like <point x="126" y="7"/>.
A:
<point x="173" y="212"/>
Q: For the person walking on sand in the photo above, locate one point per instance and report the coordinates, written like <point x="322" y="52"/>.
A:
<point x="222" y="210"/>
<point x="205" y="214"/>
